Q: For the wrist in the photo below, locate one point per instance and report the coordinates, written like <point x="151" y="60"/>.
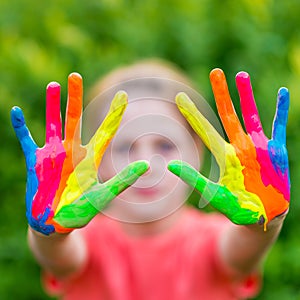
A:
<point x="277" y="221"/>
<point x="272" y="226"/>
<point x="54" y="235"/>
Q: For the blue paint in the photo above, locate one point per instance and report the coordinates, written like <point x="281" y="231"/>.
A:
<point x="277" y="146"/>
<point x="279" y="157"/>
<point x="29" y="148"/>
<point x="39" y="223"/>
<point x="281" y="116"/>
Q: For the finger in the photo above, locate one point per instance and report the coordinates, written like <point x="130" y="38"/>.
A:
<point x="27" y="143"/>
<point x="211" y="138"/>
<point x="84" y="178"/>
<point x="99" y="142"/>
<point x="81" y="211"/>
<point x="281" y="116"/>
<point x="74" y="108"/>
<point x="248" y="106"/>
<point x="193" y="178"/>
<point x="53" y="116"/>
<point x="29" y="148"/>
<point x="126" y="178"/>
<point x="219" y="196"/>
<point x="230" y="121"/>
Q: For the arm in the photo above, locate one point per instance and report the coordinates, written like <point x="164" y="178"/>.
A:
<point x="254" y="186"/>
<point x="59" y="254"/>
<point x="243" y="248"/>
<point x="62" y="189"/>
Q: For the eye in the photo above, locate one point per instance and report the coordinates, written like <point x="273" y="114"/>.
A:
<point x="165" y="146"/>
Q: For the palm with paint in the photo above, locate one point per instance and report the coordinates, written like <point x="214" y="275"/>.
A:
<point x="254" y="185"/>
<point x="62" y="188"/>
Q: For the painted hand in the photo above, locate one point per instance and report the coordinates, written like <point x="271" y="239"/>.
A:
<point x="254" y="185"/>
<point x="62" y="189"/>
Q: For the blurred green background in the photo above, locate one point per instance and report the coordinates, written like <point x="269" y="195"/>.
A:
<point x="41" y="41"/>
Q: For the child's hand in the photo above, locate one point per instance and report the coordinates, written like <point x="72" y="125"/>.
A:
<point x="62" y="189"/>
<point x="254" y="183"/>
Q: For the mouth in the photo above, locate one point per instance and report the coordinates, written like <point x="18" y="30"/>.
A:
<point x="147" y="192"/>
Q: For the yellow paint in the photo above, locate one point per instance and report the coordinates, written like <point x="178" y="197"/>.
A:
<point x="210" y="137"/>
<point x="231" y="169"/>
<point x="85" y="173"/>
<point x="234" y="180"/>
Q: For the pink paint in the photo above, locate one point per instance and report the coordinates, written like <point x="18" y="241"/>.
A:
<point x="248" y="106"/>
<point x="49" y="165"/>
<point x="268" y="175"/>
<point x="255" y="130"/>
<point x="53" y="116"/>
<point x="50" y="158"/>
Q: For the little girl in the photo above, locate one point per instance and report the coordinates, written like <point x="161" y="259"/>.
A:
<point x="146" y="244"/>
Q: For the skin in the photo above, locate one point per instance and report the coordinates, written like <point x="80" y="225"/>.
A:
<point x="254" y="177"/>
<point x="242" y="247"/>
<point x="172" y="142"/>
<point x="254" y="185"/>
<point x="154" y="131"/>
<point x="71" y="200"/>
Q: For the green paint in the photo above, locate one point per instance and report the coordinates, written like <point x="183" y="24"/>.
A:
<point x="219" y="196"/>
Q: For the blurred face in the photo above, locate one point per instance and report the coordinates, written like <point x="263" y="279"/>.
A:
<point x="152" y="130"/>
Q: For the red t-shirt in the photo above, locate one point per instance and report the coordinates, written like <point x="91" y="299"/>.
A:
<point x="179" y="264"/>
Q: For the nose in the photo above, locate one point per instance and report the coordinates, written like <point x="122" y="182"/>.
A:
<point x="144" y="149"/>
<point x="141" y="149"/>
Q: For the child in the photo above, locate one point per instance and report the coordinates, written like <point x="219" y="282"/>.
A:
<point x="146" y="244"/>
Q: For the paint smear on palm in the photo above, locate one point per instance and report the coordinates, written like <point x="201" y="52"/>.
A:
<point x="241" y="168"/>
<point x="231" y="169"/>
<point x="82" y="210"/>
<point x="252" y="153"/>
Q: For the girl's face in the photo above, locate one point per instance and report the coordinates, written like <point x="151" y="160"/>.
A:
<point x="152" y="130"/>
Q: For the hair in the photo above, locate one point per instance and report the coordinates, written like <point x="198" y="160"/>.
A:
<point x="147" y="68"/>
<point x="153" y="78"/>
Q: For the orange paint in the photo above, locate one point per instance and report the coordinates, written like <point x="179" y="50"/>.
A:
<point x="72" y="142"/>
<point x="273" y="201"/>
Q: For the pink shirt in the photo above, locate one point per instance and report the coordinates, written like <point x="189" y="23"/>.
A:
<point x="179" y="264"/>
